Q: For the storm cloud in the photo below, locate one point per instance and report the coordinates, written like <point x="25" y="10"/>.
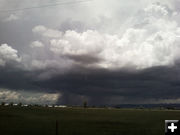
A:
<point x="94" y="51"/>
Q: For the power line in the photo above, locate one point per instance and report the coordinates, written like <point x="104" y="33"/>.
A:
<point x="44" y="6"/>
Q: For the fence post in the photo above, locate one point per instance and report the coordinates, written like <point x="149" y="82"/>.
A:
<point x="56" y="127"/>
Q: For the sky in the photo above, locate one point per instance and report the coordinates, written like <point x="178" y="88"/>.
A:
<point x="103" y="52"/>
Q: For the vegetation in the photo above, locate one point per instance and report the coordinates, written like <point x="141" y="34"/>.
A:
<point x="35" y="120"/>
<point x="3" y="103"/>
<point x="20" y="104"/>
<point x="84" y="104"/>
<point x="11" y="104"/>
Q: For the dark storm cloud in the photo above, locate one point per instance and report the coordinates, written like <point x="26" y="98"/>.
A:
<point x="98" y="86"/>
<point x="84" y="59"/>
<point x="16" y="79"/>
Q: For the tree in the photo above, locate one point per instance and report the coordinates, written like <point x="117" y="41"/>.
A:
<point x="20" y="104"/>
<point x="3" y="103"/>
<point x="11" y="104"/>
<point x="85" y="104"/>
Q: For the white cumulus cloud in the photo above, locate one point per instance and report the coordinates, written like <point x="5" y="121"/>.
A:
<point x="8" y="54"/>
<point x="153" y="43"/>
<point x="46" y="32"/>
<point x="37" y="44"/>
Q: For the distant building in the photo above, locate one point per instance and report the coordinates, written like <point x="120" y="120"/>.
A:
<point x="60" y="106"/>
<point x="57" y="106"/>
<point x="6" y="104"/>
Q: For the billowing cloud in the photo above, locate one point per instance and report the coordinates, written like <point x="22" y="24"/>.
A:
<point x="37" y="44"/>
<point x="9" y="96"/>
<point x="46" y="32"/>
<point x="150" y="41"/>
<point x="8" y="54"/>
<point x="19" y="96"/>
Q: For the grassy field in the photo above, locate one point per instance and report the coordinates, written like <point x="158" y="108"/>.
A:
<point x="80" y="121"/>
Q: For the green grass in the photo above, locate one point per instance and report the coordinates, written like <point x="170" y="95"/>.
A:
<point x="80" y="121"/>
